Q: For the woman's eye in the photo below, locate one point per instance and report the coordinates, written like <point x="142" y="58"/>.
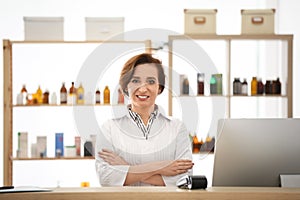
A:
<point x="135" y="81"/>
<point x="151" y="82"/>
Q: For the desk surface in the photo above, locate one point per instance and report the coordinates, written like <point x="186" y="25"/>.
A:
<point x="154" y="193"/>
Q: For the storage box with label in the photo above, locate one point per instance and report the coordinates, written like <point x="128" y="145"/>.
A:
<point x="200" y="21"/>
<point x="44" y="28"/>
<point x="258" y="21"/>
<point x="104" y="28"/>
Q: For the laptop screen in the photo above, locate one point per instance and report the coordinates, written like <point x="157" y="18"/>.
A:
<point x="254" y="152"/>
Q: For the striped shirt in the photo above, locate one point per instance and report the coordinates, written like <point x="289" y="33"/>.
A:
<point x="139" y="122"/>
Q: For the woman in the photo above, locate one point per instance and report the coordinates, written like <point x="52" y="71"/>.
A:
<point x="143" y="147"/>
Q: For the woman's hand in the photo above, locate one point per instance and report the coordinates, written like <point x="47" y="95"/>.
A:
<point x="176" y="167"/>
<point x="111" y="158"/>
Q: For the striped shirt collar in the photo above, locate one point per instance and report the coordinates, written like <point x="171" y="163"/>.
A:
<point x="139" y="122"/>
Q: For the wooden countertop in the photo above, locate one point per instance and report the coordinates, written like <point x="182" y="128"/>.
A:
<point x="155" y="193"/>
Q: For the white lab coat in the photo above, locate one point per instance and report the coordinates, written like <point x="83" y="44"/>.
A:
<point x="168" y="140"/>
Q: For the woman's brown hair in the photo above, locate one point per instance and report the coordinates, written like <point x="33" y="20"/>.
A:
<point x="129" y="68"/>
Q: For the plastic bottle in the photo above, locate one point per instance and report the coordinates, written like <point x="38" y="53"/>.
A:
<point x="254" y="86"/>
<point x="80" y="94"/>
<point x="20" y="99"/>
<point x="63" y="94"/>
<point x="106" y="95"/>
<point x="53" y="99"/>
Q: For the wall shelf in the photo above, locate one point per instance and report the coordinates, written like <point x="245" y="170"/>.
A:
<point x="61" y="158"/>
<point x="32" y="63"/>
<point x="242" y="56"/>
<point x="286" y="49"/>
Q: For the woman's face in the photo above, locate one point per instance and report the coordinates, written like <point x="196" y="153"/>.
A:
<point x="143" y="87"/>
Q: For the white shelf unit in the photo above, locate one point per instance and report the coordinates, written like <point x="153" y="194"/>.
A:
<point x="48" y="64"/>
<point x="243" y="56"/>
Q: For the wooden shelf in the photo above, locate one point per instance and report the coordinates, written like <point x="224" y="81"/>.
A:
<point x="75" y="42"/>
<point x="230" y="96"/>
<point x="66" y="105"/>
<point x="10" y="53"/>
<point x="230" y="39"/>
<point x="61" y="158"/>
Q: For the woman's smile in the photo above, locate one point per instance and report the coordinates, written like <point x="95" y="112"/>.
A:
<point x="142" y="97"/>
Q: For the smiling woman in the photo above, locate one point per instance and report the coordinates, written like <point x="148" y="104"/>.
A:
<point x="143" y="147"/>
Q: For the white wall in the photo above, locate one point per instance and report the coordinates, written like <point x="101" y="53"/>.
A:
<point x="166" y="14"/>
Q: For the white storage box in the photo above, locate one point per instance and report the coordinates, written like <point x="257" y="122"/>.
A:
<point x="200" y="21"/>
<point x="103" y="28"/>
<point x="260" y="21"/>
<point x="44" y="28"/>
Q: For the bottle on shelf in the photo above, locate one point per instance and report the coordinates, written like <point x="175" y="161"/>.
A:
<point x="200" y="83"/>
<point x="53" y="98"/>
<point x="39" y="95"/>
<point x="219" y="82"/>
<point x="20" y="99"/>
<point x="185" y="86"/>
<point x="80" y="94"/>
<point x="260" y="87"/>
<point x="24" y="94"/>
<point x="106" y="95"/>
<point x="46" y="97"/>
<point x="254" y="86"/>
<point x="98" y="97"/>
<point x="273" y="87"/>
<point x="244" y="87"/>
<point x="213" y="84"/>
<point x="72" y="95"/>
<point x="268" y="87"/>
<point x="78" y="145"/>
<point x="196" y="148"/>
<point x="63" y="94"/>
<point x="278" y="86"/>
<point x="237" y="86"/>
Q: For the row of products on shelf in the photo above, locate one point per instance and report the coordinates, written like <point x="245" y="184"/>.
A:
<point x="72" y="96"/>
<point x="207" y="145"/>
<point x="39" y="149"/>
<point x="260" y="88"/>
<point x="239" y="88"/>
<point x="215" y="84"/>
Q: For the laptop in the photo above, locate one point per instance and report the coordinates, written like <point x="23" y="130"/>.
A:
<point x="255" y="152"/>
